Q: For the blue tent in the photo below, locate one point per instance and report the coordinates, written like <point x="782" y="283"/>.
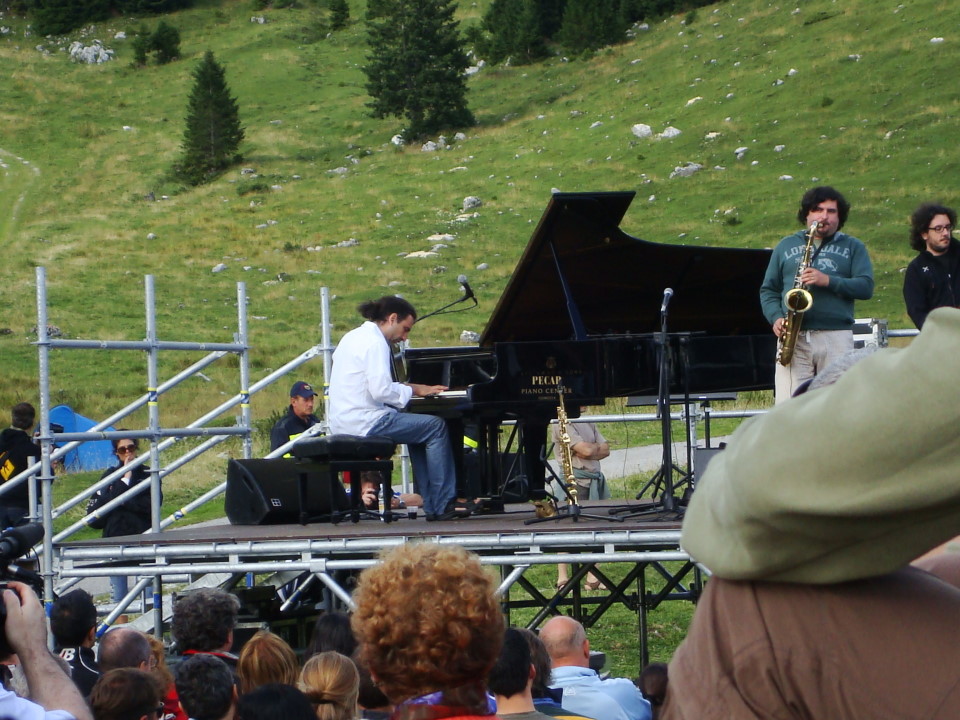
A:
<point x="93" y="454"/>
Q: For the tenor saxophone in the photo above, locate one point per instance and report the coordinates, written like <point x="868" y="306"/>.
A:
<point x="797" y="300"/>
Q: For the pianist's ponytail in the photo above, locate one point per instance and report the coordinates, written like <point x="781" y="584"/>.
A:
<point x="380" y="310"/>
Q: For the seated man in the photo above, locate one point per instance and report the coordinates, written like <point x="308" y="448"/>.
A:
<point x="73" y="622"/>
<point x="511" y="680"/>
<point x="812" y="611"/>
<point x="206" y="688"/>
<point x="203" y="623"/>
<point x="366" y="399"/>
<point x="584" y="692"/>
<point x="127" y="694"/>
<point x="299" y="415"/>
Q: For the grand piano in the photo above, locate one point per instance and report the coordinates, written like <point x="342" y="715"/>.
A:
<point x="582" y="311"/>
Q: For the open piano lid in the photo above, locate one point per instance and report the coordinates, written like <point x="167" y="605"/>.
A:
<point x="615" y="282"/>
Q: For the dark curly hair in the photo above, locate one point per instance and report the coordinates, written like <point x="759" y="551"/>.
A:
<point x="814" y="196"/>
<point x="203" y="619"/>
<point x="921" y="219"/>
<point x="427" y="619"/>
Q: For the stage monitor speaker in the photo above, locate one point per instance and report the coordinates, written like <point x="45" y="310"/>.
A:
<point x="266" y="491"/>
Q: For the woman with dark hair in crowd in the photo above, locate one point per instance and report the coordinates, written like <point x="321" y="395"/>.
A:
<point x="332" y="631"/>
<point x="430" y="628"/>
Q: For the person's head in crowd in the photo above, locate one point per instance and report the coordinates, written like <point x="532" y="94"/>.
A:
<point x="275" y="702"/>
<point x="204" y="620"/>
<point x="540" y="659"/>
<point x="266" y="658"/>
<point x="73" y="619"/>
<point x="206" y="688"/>
<point x="23" y="415"/>
<point x="566" y="642"/>
<point x="931" y="228"/>
<point x="653" y="683"/>
<point x="332" y="631"/>
<point x="369" y="694"/>
<point x="330" y="681"/>
<point x="427" y="620"/>
<point x="124" y="647"/>
<point x="127" y="694"/>
<point x="513" y="669"/>
<point x="160" y="668"/>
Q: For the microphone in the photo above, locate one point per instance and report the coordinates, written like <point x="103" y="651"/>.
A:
<point x="667" y="294"/>
<point x="467" y="290"/>
<point x="18" y="541"/>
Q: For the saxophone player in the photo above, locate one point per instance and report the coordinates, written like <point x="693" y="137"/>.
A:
<point x="839" y="272"/>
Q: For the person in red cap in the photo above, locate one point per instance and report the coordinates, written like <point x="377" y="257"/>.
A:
<point x="299" y="415"/>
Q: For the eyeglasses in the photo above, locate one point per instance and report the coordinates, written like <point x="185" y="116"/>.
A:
<point x="941" y="228"/>
<point x="124" y="449"/>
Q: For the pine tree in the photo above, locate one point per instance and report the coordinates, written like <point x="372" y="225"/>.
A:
<point x="416" y="65"/>
<point x="588" y="25"/>
<point x="516" y="31"/>
<point x="213" y="134"/>
<point x="339" y="14"/>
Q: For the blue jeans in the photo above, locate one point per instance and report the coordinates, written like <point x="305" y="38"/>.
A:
<point x="430" y="455"/>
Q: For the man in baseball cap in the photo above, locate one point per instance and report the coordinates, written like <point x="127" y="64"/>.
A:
<point x="299" y="415"/>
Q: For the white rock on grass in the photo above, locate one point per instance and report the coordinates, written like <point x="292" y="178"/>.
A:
<point x="641" y="130"/>
<point x="670" y="132"/>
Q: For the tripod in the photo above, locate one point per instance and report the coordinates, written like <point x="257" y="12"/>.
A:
<point x="663" y="478"/>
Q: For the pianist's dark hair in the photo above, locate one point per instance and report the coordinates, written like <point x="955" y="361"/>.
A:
<point x="815" y="196"/>
<point x="380" y="310"/>
<point x="921" y="219"/>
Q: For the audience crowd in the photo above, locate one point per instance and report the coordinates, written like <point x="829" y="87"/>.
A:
<point x="451" y="657"/>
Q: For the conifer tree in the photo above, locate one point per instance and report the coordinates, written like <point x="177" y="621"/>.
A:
<point x="588" y="25"/>
<point x="516" y="31"/>
<point x="415" y="69"/>
<point x="339" y="14"/>
<point x="213" y="134"/>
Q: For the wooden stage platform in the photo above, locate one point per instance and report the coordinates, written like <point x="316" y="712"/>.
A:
<point x="642" y="563"/>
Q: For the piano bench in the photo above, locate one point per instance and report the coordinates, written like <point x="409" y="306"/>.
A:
<point x="351" y="455"/>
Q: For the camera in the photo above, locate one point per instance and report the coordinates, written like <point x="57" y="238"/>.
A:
<point x="15" y="543"/>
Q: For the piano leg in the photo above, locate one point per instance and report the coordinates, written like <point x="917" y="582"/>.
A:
<point x="534" y="442"/>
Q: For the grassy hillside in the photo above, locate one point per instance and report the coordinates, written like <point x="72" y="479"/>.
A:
<point x="853" y="94"/>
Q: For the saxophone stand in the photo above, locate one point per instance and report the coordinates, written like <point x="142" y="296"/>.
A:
<point x="663" y="478"/>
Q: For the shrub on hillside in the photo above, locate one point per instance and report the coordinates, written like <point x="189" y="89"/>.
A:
<point x="165" y="43"/>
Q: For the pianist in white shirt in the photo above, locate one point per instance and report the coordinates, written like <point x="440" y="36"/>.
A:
<point x="366" y="399"/>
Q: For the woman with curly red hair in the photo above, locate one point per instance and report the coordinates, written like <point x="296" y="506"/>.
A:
<point x="430" y="628"/>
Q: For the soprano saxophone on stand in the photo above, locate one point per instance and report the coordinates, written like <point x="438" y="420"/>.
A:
<point x="566" y="452"/>
<point x="798" y="300"/>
